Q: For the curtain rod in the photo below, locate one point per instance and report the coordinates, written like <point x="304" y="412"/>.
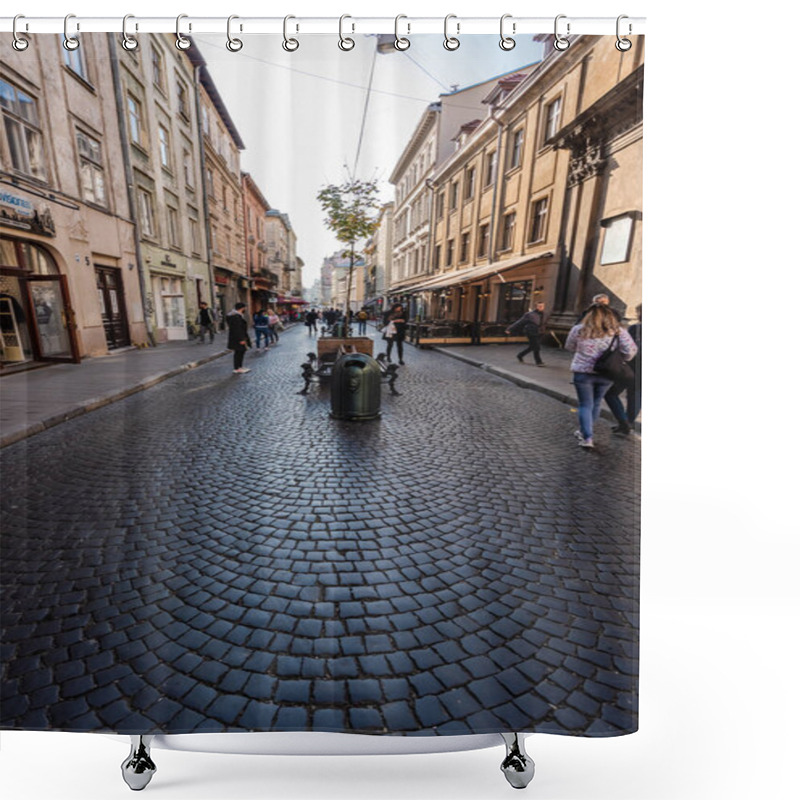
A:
<point x="404" y="25"/>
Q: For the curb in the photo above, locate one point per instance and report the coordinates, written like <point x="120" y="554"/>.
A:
<point x="526" y="383"/>
<point x="94" y="403"/>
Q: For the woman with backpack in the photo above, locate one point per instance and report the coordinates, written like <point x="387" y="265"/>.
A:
<point x="599" y="331"/>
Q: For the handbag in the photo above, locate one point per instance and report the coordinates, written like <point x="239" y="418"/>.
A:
<point x="389" y="331"/>
<point x="611" y="364"/>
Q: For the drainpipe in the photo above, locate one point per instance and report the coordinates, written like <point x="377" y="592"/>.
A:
<point x="126" y="161"/>
<point x="206" y="216"/>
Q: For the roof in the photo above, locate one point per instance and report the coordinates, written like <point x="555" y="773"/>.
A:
<point x="197" y="60"/>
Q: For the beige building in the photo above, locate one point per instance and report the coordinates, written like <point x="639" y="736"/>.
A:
<point x="433" y="141"/>
<point x="379" y="255"/>
<point x="542" y="199"/>
<point x="158" y="101"/>
<point x="282" y="260"/>
<point x="222" y="183"/>
<point x="264" y="281"/>
<point x="69" y="282"/>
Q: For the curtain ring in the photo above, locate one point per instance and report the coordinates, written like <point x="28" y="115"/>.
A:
<point x="345" y="42"/>
<point x="451" y="42"/>
<point x="623" y="45"/>
<point x="290" y="45"/>
<point x="234" y="45"/>
<point x="20" y="43"/>
<point x="400" y="42"/>
<point x="71" y="42"/>
<point x="129" y="43"/>
<point x="561" y="42"/>
<point x="181" y="42"/>
<point x="506" y="42"/>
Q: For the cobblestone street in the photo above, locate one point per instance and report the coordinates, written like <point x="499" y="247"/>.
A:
<point x="216" y="553"/>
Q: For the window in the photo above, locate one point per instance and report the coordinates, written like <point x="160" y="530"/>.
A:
<point x="158" y="69"/>
<point x="553" y="119"/>
<point x="617" y="240"/>
<point x="163" y="146"/>
<point x="515" y="153"/>
<point x="183" y="100"/>
<point x="539" y="220"/>
<point x="454" y="196"/>
<point x="146" y="219"/>
<point x="469" y="184"/>
<point x="188" y="169"/>
<point x="210" y="182"/>
<point x="174" y="227"/>
<point x="440" y="205"/>
<point x="206" y="123"/>
<point x="491" y="167"/>
<point x="509" y="222"/>
<point x="483" y="240"/>
<point x="90" y="158"/>
<point x="135" y="121"/>
<point x="437" y="256"/>
<point x="21" y="119"/>
<point x="464" y="246"/>
<point x="194" y="230"/>
<point x="75" y="61"/>
<point x="449" y="257"/>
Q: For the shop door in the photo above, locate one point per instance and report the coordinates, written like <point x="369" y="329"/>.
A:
<point x="112" y="307"/>
<point x="53" y="329"/>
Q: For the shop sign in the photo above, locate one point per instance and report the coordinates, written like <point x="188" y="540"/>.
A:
<point x="18" y="212"/>
<point x="221" y="278"/>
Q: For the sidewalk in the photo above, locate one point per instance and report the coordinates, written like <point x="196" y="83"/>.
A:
<point x="37" y="399"/>
<point x="554" y="379"/>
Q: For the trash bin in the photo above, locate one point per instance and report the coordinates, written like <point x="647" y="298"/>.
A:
<point x="356" y="387"/>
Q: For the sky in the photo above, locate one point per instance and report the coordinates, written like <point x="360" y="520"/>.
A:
<point x="300" y="114"/>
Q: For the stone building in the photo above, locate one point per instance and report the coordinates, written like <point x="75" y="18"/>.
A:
<point x="433" y="141"/>
<point x="542" y="198"/>
<point x="222" y="184"/>
<point x="379" y="261"/>
<point x="282" y="260"/>
<point x="69" y="283"/>
<point x="164" y="158"/>
<point x="264" y="281"/>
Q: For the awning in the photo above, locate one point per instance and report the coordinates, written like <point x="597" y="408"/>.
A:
<point x="473" y="273"/>
<point x="297" y="301"/>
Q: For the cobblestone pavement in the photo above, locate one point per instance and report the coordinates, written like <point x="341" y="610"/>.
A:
<point x="216" y="553"/>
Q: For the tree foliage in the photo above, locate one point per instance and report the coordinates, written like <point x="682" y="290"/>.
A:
<point x="351" y="209"/>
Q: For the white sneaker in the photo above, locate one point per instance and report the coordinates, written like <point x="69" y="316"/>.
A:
<point x="588" y="443"/>
<point x="578" y="435"/>
<point x="242" y="370"/>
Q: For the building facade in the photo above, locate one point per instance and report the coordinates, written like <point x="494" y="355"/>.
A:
<point x="264" y="282"/>
<point x="163" y="155"/>
<point x="542" y="198"/>
<point x="222" y="185"/>
<point x="69" y="283"/>
<point x="379" y="261"/>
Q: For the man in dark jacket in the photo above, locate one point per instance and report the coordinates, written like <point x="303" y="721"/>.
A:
<point x="532" y="325"/>
<point x="238" y="338"/>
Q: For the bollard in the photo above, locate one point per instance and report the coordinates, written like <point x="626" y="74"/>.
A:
<point x="356" y="387"/>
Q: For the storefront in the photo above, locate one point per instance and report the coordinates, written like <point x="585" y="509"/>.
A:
<point x="36" y="316"/>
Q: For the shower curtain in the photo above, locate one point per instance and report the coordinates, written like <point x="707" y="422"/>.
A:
<point x="207" y="548"/>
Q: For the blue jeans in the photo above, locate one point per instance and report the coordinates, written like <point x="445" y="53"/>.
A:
<point x="591" y="389"/>
<point x="259" y="333"/>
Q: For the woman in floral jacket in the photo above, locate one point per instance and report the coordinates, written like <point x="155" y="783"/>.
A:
<point x="589" y="340"/>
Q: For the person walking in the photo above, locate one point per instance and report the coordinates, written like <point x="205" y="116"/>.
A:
<point x="238" y="338"/>
<point x="261" y="327"/>
<point x="589" y="340"/>
<point x="311" y="321"/>
<point x="362" y="322"/>
<point x="395" y="331"/>
<point x="626" y="415"/>
<point x="274" y="325"/>
<point x="206" y="323"/>
<point x="532" y="325"/>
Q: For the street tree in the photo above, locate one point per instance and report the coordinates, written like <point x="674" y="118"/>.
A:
<point x="351" y="212"/>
